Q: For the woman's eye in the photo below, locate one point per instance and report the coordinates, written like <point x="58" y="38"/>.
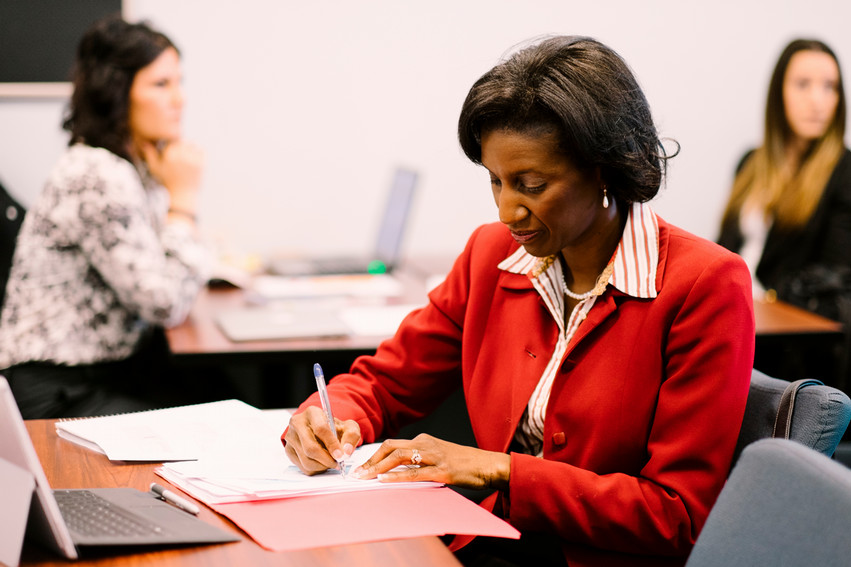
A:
<point x="495" y="182"/>
<point x="534" y="188"/>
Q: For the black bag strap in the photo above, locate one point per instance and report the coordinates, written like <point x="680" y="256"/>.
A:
<point x="783" y="421"/>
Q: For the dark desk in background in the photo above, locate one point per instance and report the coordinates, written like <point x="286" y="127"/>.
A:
<point x="70" y="466"/>
<point x="790" y="342"/>
<point x="271" y="373"/>
<point x="200" y="336"/>
<point x="778" y="319"/>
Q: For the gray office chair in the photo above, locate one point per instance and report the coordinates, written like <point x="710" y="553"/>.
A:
<point x="783" y="505"/>
<point x="818" y="418"/>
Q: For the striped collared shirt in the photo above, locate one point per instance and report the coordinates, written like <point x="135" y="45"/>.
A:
<point x="632" y="270"/>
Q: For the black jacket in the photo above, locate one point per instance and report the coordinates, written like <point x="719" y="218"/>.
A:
<point x="824" y="242"/>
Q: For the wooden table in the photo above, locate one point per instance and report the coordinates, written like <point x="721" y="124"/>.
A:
<point x="781" y="319"/>
<point x="790" y="343"/>
<point x="70" y="466"/>
<point x="200" y="336"/>
<point x="272" y="373"/>
<point x="793" y="343"/>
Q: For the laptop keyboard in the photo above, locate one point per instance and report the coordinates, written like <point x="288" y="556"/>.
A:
<point x="88" y="514"/>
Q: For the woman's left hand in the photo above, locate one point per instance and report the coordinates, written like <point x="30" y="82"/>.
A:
<point x="428" y="458"/>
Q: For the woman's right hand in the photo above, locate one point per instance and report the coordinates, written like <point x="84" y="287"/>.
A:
<point x="178" y="166"/>
<point x="313" y="446"/>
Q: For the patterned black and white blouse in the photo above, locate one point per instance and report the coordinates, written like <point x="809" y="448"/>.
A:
<point x="96" y="265"/>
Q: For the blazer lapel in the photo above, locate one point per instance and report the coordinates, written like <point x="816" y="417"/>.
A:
<point x="527" y="366"/>
<point x="603" y="308"/>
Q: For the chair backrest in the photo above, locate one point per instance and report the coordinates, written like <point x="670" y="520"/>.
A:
<point x="11" y="217"/>
<point x="819" y="418"/>
<point x="784" y="504"/>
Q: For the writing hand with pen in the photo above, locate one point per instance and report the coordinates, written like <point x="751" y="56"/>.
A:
<point x="321" y="442"/>
<point x="315" y="446"/>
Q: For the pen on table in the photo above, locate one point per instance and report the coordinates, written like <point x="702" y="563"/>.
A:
<point x="174" y="499"/>
<point x="326" y="406"/>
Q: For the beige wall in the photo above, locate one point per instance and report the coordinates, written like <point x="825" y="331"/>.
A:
<point x="305" y="107"/>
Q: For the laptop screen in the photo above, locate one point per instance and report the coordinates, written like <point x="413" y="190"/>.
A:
<point x="389" y="243"/>
<point x="45" y="523"/>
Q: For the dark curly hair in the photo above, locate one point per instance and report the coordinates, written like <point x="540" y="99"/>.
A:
<point x="586" y="93"/>
<point x="109" y="55"/>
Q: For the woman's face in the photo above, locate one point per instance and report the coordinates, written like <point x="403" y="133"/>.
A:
<point x="156" y="99"/>
<point x="810" y="93"/>
<point x="548" y="204"/>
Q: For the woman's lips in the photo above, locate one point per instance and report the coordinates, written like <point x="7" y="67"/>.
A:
<point x="524" y="236"/>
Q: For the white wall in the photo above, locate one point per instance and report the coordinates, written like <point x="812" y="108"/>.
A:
<point x="304" y="107"/>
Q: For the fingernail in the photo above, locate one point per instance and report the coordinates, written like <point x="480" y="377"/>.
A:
<point x="337" y="454"/>
<point x="382" y="477"/>
<point x="348" y="448"/>
<point x="359" y="472"/>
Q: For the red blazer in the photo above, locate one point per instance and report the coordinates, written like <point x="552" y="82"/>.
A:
<point x="643" y="416"/>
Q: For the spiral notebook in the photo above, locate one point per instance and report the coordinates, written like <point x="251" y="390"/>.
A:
<point x="173" y="434"/>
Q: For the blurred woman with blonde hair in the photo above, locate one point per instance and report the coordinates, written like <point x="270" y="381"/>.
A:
<point x="789" y="212"/>
<point x="790" y="207"/>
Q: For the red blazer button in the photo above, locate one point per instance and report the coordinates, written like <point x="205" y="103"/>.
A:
<point x="559" y="438"/>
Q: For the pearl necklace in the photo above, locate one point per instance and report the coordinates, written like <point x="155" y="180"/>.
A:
<point x="574" y="295"/>
<point x="598" y="289"/>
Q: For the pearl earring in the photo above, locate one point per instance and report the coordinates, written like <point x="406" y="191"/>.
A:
<point x="605" y="198"/>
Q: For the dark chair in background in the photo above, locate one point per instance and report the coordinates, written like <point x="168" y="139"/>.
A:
<point x="785" y="501"/>
<point x="784" y="504"/>
<point x="818" y="418"/>
<point x="11" y="217"/>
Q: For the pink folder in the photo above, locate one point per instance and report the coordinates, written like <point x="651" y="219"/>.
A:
<point x="356" y="517"/>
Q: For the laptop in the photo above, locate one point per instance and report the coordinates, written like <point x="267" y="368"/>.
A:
<point x="388" y="246"/>
<point x="132" y="517"/>
<point x="267" y="323"/>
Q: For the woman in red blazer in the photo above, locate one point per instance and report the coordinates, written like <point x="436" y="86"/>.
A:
<point x="605" y="355"/>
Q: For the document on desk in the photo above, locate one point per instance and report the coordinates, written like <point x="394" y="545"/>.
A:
<point x="375" y="320"/>
<point x="283" y="509"/>
<point x="176" y="434"/>
<point x="266" y="476"/>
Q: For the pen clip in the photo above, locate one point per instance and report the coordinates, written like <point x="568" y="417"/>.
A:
<point x="167" y="496"/>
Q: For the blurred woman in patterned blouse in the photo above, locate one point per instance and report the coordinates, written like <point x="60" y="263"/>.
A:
<point x="109" y="254"/>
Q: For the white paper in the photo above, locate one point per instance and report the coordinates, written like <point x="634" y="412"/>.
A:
<point x="375" y="320"/>
<point x="268" y="476"/>
<point x="282" y="287"/>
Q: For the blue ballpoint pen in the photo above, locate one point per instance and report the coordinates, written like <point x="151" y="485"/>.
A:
<point x="326" y="405"/>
